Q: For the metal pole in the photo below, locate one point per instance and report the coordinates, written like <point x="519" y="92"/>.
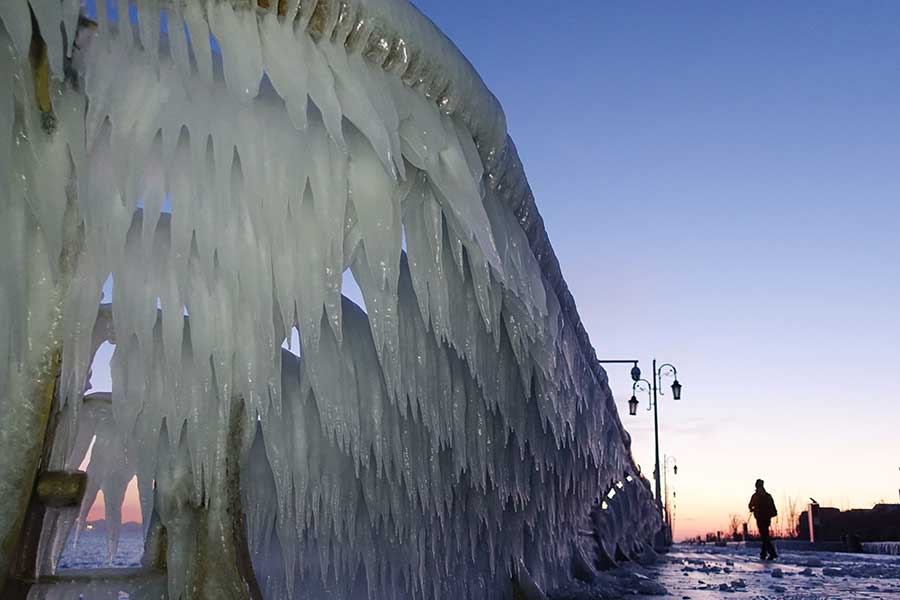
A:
<point x="666" y="487"/>
<point x="671" y="526"/>
<point x="656" y="436"/>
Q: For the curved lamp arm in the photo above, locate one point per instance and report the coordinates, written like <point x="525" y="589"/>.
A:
<point x="659" y="373"/>
<point x="636" y="385"/>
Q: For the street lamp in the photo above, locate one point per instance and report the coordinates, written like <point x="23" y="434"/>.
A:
<point x="635" y="376"/>
<point x="668" y="511"/>
<point x="665" y="476"/>
<point x="654" y="391"/>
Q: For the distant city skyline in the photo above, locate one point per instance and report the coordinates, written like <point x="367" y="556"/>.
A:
<point x="719" y="182"/>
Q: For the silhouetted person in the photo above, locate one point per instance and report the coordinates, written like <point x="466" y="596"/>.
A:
<point x="763" y="508"/>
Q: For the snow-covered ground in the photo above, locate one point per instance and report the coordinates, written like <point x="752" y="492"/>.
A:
<point x="701" y="572"/>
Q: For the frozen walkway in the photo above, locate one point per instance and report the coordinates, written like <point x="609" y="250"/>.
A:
<point x="705" y="572"/>
<point x="700" y="572"/>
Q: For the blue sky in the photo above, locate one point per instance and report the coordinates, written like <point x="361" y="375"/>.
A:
<point x="720" y="183"/>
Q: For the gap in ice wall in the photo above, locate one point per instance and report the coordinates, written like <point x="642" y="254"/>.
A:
<point x="100" y="380"/>
<point x="131" y="510"/>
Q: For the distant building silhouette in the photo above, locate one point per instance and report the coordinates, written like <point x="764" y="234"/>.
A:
<point x="880" y="523"/>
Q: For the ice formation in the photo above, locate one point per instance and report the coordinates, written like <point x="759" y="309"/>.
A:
<point x="446" y="440"/>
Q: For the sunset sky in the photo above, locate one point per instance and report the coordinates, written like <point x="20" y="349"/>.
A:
<point x="720" y="183"/>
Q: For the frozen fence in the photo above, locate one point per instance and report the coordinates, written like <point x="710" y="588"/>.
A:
<point x="892" y="548"/>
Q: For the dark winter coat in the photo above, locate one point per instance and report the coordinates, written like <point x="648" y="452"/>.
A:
<point x="763" y="506"/>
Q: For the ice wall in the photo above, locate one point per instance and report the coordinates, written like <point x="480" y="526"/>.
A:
<point x="449" y="438"/>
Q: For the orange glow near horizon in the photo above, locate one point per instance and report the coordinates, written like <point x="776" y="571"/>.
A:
<point x="131" y="506"/>
<point x="719" y="458"/>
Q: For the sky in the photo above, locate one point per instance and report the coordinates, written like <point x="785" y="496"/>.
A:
<point x="720" y="184"/>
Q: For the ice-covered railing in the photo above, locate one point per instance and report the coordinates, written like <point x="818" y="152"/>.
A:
<point x="443" y="442"/>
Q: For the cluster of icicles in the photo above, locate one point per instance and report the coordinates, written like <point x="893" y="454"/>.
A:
<point x="425" y="448"/>
<point x="624" y="520"/>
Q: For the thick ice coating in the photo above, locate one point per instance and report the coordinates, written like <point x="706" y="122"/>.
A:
<point x="447" y="439"/>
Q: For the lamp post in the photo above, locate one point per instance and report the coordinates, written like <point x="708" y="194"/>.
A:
<point x="654" y="392"/>
<point x="668" y="512"/>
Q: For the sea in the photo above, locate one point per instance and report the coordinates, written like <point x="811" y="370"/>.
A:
<point x="91" y="550"/>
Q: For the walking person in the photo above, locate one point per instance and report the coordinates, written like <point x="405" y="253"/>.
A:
<point x="763" y="508"/>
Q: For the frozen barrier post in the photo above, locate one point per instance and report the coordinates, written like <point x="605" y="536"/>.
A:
<point x="202" y="540"/>
<point x="40" y="245"/>
<point x="812" y="514"/>
<point x="443" y="443"/>
<point x="22" y="447"/>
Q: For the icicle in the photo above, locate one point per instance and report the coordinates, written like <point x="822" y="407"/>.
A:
<point x="178" y="45"/>
<point x="7" y="109"/>
<point x="49" y="18"/>
<point x="149" y="27"/>
<point x="377" y="207"/>
<point x="199" y="38"/>
<point x="16" y="18"/>
<point x="282" y="51"/>
<point x="238" y="36"/>
<point x="71" y="10"/>
<point x="358" y="96"/>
